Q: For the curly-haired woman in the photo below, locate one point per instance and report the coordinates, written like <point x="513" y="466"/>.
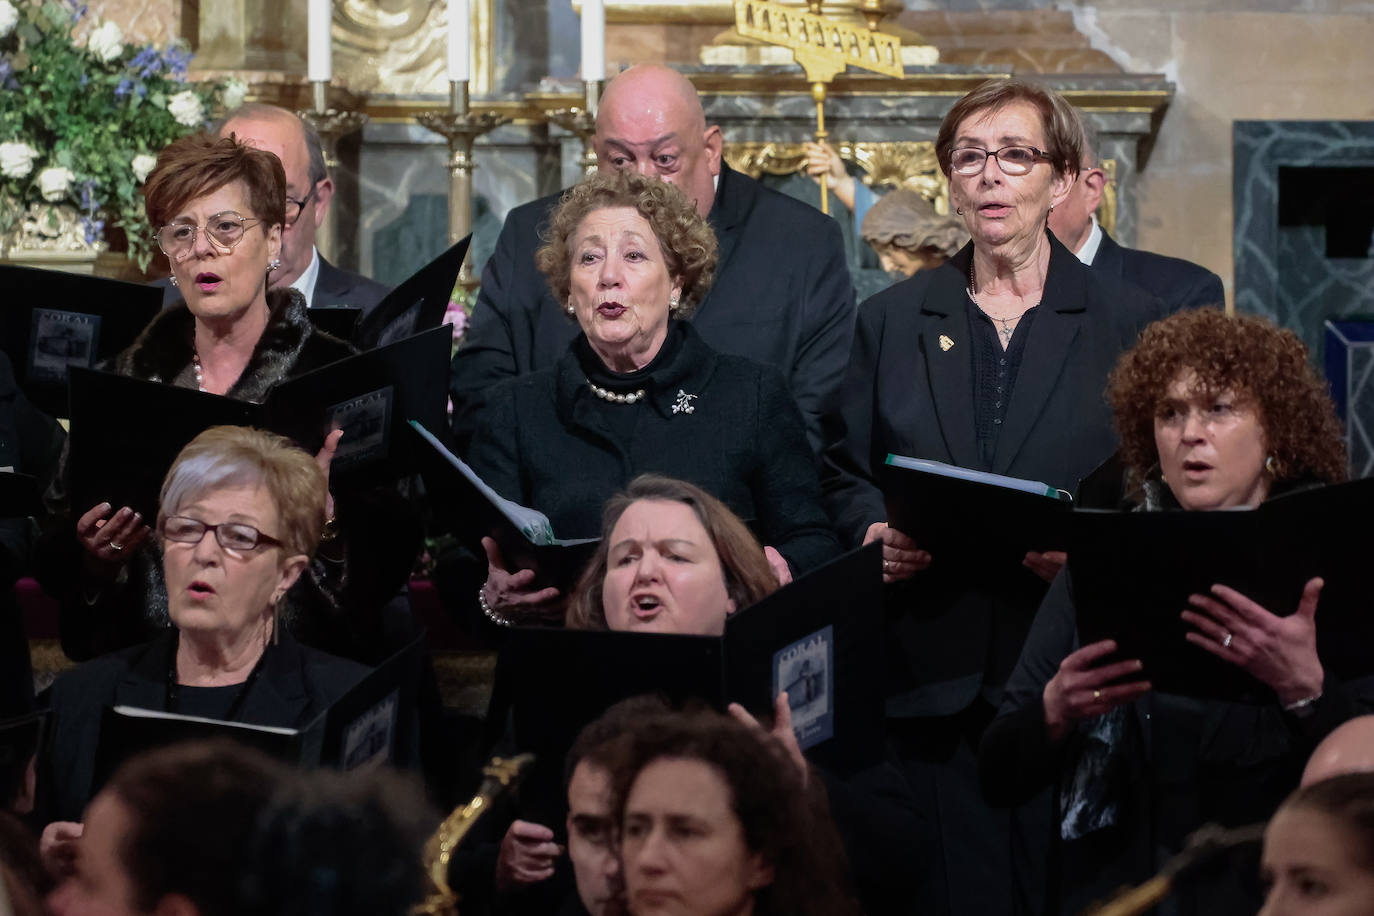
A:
<point x="714" y="818"/>
<point x="1215" y="412"/>
<point x="638" y="391"/>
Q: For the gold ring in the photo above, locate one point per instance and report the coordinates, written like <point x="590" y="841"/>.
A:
<point x="1097" y="694"/>
<point x="116" y="547"/>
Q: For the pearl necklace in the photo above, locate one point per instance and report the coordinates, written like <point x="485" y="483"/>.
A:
<point x="605" y="395"/>
<point x="200" y="375"/>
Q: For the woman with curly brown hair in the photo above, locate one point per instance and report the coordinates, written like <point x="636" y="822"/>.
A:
<point x="639" y="391"/>
<point x="714" y="818"/>
<point x="1215" y="412"/>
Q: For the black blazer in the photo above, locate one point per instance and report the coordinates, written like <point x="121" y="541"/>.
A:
<point x="333" y="286"/>
<point x="541" y="442"/>
<point x="782" y="296"/>
<point x="1177" y="283"/>
<point x="295" y="686"/>
<point x="958" y="630"/>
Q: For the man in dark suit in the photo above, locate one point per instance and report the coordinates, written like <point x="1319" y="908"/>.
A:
<point x="1177" y="283"/>
<point x="782" y="293"/>
<point x="309" y="190"/>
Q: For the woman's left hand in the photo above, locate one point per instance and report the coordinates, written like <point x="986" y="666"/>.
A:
<point x="779" y="565"/>
<point x="324" y="457"/>
<point x="1280" y="651"/>
<point x="782" y="730"/>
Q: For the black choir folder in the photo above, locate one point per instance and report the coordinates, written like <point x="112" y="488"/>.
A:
<point x="473" y="510"/>
<point x="971" y="516"/>
<point x="370" y="725"/>
<point x="52" y="320"/>
<point x="820" y="639"/>
<point x="417" y="305"/>
<point x="19" y="495"/>
<point x="1132" y="573"/>
<point x="126" y="432"/>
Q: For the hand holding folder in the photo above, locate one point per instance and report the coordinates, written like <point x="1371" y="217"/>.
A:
<point x="1134" y="573"/>
<point x="971" y="518"/>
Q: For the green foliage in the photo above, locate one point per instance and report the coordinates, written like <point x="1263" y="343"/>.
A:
<point x="92" y="116"/>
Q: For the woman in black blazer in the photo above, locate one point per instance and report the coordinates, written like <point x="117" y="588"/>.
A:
<point x="639" y="391"/>
<point x="995" y="361"/>
<point x="240" y="514"/>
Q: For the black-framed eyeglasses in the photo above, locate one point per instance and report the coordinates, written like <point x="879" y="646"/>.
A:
<point x="294" y="207"/>
<point x="233" y="536"/>
<point x="1012" y="160"/>
<point x="224" y="229"/>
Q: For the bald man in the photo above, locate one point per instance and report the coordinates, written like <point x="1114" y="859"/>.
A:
<point x="782" y="293"/>
<point x="1348" y="749"/>
<point x="309" y="191"/>
<point x="1177" y="283"/>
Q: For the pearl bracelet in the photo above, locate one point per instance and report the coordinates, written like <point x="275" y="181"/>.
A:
<point x="499" y="619"/>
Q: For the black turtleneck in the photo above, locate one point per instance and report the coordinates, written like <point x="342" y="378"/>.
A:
<point x="621" y="419"/>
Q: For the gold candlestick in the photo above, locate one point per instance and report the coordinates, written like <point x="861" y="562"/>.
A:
<point x="581" y="121"/>
<point x="461" y="126"/>
<point x="332" y="125"/>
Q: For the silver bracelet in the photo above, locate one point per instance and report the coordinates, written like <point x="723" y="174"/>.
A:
<point x="499" y="619"/>
<point x="1303" y="707"/>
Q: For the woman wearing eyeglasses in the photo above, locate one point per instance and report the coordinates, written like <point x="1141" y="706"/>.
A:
<point x="996" y="361"/>
<point x="241" y="512"/>
<point x="218" y="206"/>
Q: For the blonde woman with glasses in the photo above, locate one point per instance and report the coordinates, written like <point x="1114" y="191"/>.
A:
<point x="240" y="514"/>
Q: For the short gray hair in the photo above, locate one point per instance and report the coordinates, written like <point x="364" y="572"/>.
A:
<point x="314" y="146"/>
<point x="235" y="456"/>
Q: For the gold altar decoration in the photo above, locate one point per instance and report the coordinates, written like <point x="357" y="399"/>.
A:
<point x="897" y="164"/>
<point x="51" y="236"/>
<point x="460" y="125"/>
<point x="332" y="124"/>
<point x="823" y="47"/>
<point x="499" y="776"/>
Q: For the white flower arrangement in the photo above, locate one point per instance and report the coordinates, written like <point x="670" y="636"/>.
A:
<point x="17" y="159"/>
<point x="79" y="131"/>
<point x="142" y="164"/>
<point x="9" y="17"/>
<point x="187" y="109"/>
<point x="106" y="42"/>
<point x="54" y="182"/>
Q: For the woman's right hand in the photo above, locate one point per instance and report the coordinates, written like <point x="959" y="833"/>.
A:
<point x="57" y="848"/>
<point x="509" y="594"/>
<point x="108" y="539"/>
<point x="1083" y="688"/>
<point x="527" y="855"/>
<point x="902" y="559"/>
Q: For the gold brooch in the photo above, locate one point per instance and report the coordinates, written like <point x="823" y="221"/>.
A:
<point x="946" y="342"/>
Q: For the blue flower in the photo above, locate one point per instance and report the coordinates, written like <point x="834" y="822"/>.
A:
<point x="84" y="80"/>
<point x="78" y="10"/>
<point x="125" y="87"/>
<point x="94" y="229"/>
<point x="88" y="201"/>
<point x="177" y="62"/>
<point x="146" y="62"/>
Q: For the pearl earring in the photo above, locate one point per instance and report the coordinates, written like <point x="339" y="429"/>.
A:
<point x="173" y="278"/>
<point x="274" y="264"/>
